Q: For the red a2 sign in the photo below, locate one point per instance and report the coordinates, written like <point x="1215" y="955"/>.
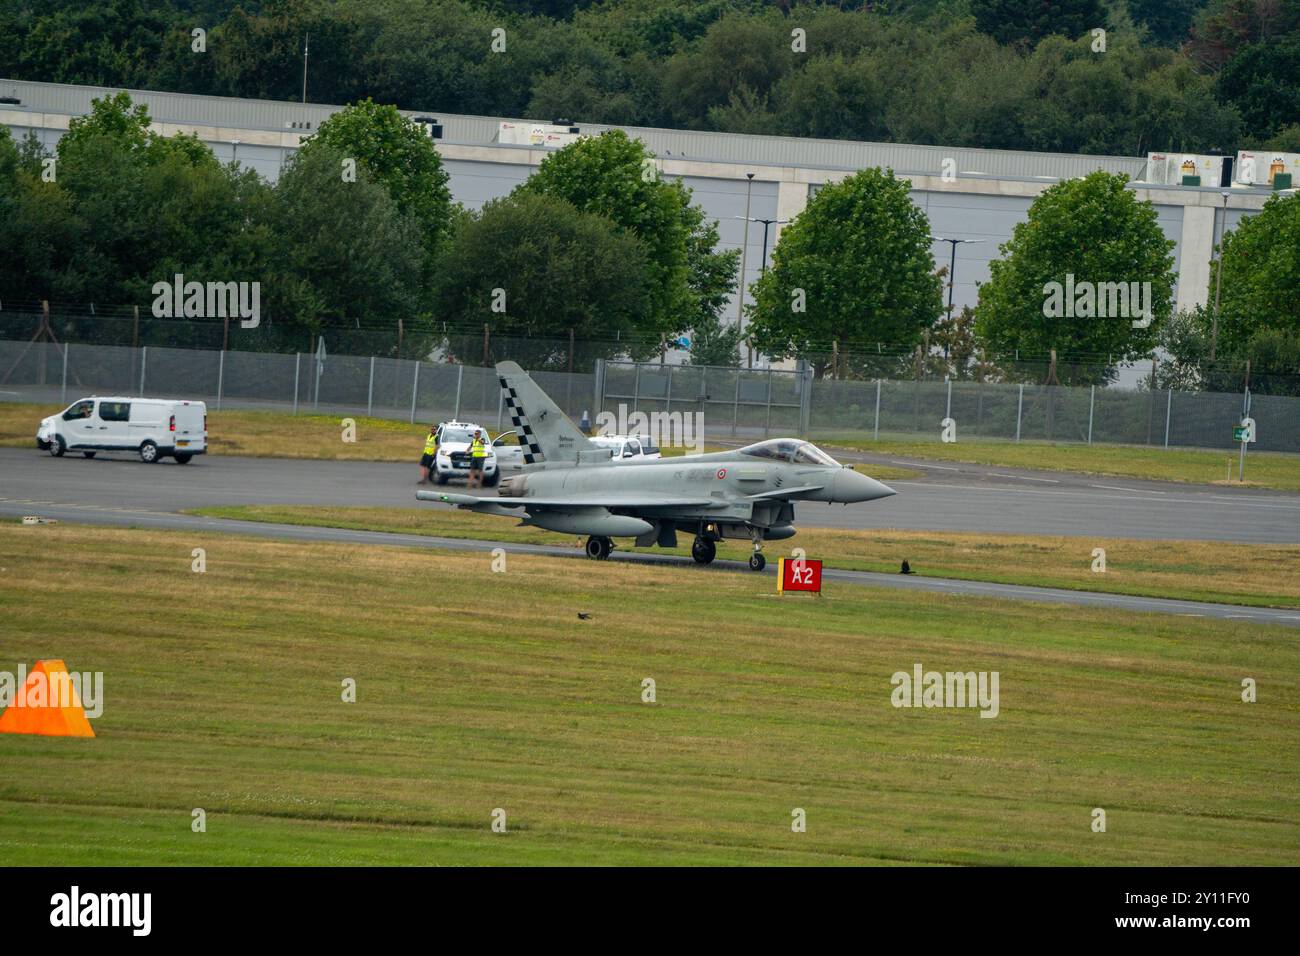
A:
<point x="799" y="575"/>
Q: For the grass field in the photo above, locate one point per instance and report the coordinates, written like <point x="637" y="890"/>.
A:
<point x="1263" y="469"/>
<point x="1254" y="574"/>
<point x="478" y="691"/>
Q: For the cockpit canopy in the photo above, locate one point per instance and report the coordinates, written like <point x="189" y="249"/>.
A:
<point x="790" y="450"/>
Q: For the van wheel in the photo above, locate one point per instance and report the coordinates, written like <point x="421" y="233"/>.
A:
<point x="182" y="458"/>
<point x="148" y="453"/>
<point x="88" y="454"/>
<point x="57" y="446"/>
<point x="492" y="480"/>
<point x="439" y="478"/>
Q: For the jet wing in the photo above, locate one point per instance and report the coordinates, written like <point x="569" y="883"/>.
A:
<point x="485" y="503"/>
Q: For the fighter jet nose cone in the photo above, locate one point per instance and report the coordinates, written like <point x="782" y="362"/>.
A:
<point x="852" y="486"/>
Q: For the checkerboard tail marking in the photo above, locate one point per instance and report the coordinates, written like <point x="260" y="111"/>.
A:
<point x="518" y="418"/>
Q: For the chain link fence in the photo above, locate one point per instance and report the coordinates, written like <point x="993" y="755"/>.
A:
<point x="730" y="402"/>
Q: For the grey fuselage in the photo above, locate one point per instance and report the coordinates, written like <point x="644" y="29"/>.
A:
<point x="729" y="481"/>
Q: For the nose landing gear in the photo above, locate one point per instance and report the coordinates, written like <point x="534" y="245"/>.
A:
<point x="756" y="560"/>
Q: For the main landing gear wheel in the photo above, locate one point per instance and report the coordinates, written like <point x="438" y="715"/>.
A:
<point x="599" y="548"/>
<point x="704" y="551"/>
<point x="757" y="562"/>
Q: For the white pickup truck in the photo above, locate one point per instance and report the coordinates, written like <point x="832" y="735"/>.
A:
<point x="627" y="449"/>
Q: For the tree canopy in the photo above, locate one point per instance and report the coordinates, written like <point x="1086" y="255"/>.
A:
<point x="1071" y="278"/>
<point x="855" y="267"/>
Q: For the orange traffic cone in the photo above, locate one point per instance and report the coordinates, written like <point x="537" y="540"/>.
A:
<point x="47" y="704"/>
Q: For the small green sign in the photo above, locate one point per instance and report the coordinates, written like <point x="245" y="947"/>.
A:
<point x="1239" y="433"/>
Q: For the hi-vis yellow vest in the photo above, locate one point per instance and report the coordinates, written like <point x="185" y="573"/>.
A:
<point x="477" y="449"/>
<point x="431" y="444"/>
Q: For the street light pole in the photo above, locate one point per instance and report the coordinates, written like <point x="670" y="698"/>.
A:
<point x="762" y="268"/>
<point x="1218" y="277"/>
<point x="306" y="38"/>
<point x="952" y="273"/>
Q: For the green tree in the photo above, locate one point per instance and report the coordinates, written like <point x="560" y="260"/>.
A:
<point x="1261" y="274"/>
<point x="1010" y="21"/>
<point x="1263" y="81"/>
<point x="344" y="252"/>
<point x="854" y="267"/>
<point x="533" y="268"/>
<point x="1080" y="235"/>
<point x="400" y="156"/>
<point x="616" y="177"/>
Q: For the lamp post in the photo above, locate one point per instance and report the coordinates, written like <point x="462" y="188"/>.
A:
<point x="952" y="273"/>
<point x="1218" y="276"/>
<point x="762" y="267"/>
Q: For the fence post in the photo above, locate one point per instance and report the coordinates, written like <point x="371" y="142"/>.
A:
<point x="1092" y="402"/>
<point x="767" y="429"/>
<point x="598" y="387"/>
<point x="460" y="377"/>
<point x="415" y="390"/>
<point x="947" y="413"/>
<point x="144" y="359"/>
<point x="1020" y="404"/>
<point x="297" y="358"/>
<point x="805" y="396"/>
<point x="735" y="405"/>
<point x="221" y="376"/>
<point x="1169" y="411"/>
<point x="875" y="431"/>
<point x="370" y="390"/>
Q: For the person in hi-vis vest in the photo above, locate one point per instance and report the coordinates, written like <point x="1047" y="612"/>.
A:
<point x="430" y="452"/>
<point x="477" y="455"/>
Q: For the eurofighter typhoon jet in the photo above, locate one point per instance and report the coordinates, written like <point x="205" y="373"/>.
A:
<point x="568" y="484"/>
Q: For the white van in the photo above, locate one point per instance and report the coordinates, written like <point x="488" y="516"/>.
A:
<point x="150" y="427"/>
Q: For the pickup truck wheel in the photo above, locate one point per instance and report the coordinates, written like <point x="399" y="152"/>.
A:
<point x="148" y="452"/>
<point x="439" y="478"/>
<point x="183" y="458"/>
<point x="57" y="446"/>
<point x="492" y="480"/>
<point x="88" y="454"/>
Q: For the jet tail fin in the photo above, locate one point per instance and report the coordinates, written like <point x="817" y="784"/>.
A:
<point x="546" y="434"/>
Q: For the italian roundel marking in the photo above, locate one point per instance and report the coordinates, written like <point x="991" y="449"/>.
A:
<point x="722" y="473"/>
